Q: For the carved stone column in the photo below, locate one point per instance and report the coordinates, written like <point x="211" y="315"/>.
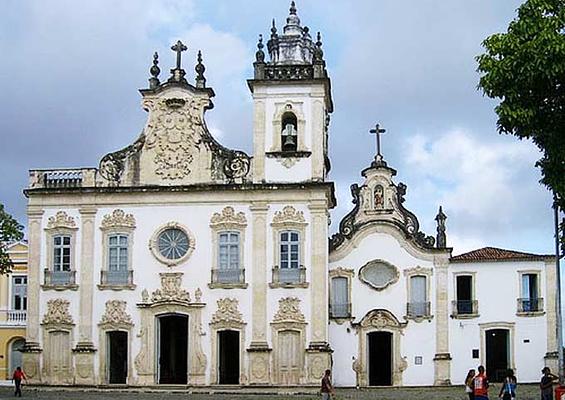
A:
<point x="84" y="350"/>
<point x="442" y="358"/>
<point x="32" y="350"/>
<point x="259" y="351"/>
<point x="318" y="352"/>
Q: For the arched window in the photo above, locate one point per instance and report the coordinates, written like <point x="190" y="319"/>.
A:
<point x="289" y="134"/>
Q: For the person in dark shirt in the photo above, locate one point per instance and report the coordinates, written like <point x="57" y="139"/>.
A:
<point x="17" y="377"/>
<point x="546" y="384"/>
<point x="327" y="388"/>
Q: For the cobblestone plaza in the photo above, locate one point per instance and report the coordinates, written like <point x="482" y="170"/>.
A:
<point x="525" y="392"/>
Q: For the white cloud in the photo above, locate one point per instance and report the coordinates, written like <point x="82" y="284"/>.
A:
<point x="487" y="188"/>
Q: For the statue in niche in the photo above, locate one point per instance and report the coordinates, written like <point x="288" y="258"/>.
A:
<point x="379" y="197"/>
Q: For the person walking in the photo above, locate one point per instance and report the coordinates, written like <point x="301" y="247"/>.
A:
<point x="480" y="384"/>
<point x="327" y="389"/>
<point x="508" y="388"/>
<point x="469" y="384"/>
<point x="17" y="377"/>
<point x="546" y="384"/>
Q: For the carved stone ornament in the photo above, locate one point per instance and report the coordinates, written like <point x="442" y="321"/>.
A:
<point x="288" y="215"/>
<point x="61" y="220"/>
<point x="289" y="311"/>
<point x="379" y="274"/>
<point x="418" y="270"/>
<point x="116" y="314"/>
<point x="288" y="162"/>
<point x="228" y="217"/>
<point x="171" y="290"/>
<point x="227" y="312"/>
<point x="57" y="313"/>
<point x="173" y="133"/>
<point x="118" y="219"/>
<point x="381" y="319"/>
<point x="112" y="165"/>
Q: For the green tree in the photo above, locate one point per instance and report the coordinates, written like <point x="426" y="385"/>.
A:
<point x="525" y="69"/>
<point x="10" y="231"/>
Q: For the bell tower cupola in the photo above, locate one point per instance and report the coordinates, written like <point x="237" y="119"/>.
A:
<point x="292" y="105"/>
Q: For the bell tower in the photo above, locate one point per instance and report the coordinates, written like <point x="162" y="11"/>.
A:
<point x="292" y="106"/>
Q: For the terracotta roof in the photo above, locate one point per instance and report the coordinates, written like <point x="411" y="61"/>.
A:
<point x="496" y="254"/>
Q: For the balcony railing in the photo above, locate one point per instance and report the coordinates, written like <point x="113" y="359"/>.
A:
<point x="340" y="310"/>
<point x="60" y="278"/>
<point x="528" y="305"/>
<point x="462" y="308"/>
<point x="228" y="276"/>
<point x="289" y="276"/>
<point x="418" y="309"/>
<point x="13" y="317"/>
<point x="116" y="277"/>
<point x="62" y="178"/>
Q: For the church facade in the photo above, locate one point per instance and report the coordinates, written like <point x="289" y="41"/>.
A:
<point x="180" y="261"/>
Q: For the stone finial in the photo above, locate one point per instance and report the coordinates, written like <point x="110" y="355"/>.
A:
<point x="260" y="54"/>
<point x="292" y="9"/>
<point x="273" y="43"/>
<point x="318" y="52"/>
<point x="292" y="26"/>
<point x="154" y="71"/>
<point x="441" y="237"/>
<point x="200" y="68"/>
<point x="177" y="73"/>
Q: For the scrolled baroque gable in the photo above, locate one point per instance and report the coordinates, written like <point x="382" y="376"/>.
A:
<point x="61" y="220"/>
<point x="57" y="313"/>
<point x="289" y="311"/>
<point x="381" y="319"/>
<point x="228" y="218"/>
<point x="288" y="216"/>
<point x="116" y="314"/>
<point x="227" y="313"/>
<point x="118" y="219"/>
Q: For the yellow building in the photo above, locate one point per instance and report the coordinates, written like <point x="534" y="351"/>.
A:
<point x="13" y="306"/>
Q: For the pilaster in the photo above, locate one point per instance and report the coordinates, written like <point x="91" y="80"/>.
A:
<point x="442" y="358"/>
<point x="551" y="356"/>
<point x="84" y="351"/>
<point x="259" y="351"/>
<point x="32" y="351"/>
<point x="259" y="141"/>
<point x="318" y="121"/>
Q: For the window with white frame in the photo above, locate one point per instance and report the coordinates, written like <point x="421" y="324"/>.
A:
<point x="19" y="293"/>
<point x="118" y="255"/>
<point x="289" y="257"/>
<point x="418" y="305"/>
<point x="530" y="300"/>
<point x="61" y="253"/>
<point x="228" y="257"/>
<point x="339" y="306"/>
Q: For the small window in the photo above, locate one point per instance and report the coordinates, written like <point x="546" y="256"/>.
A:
<point x="61" y="253"/>
<point x="290" y="249"/>
<point x="228" y="250"/>
<point x="340" y="298"/>
<point x="418" y="305"/>
<point x="118" y="252"/>
<point x="464" y="303"/>
<point x="289" y="134"/>
<point x="530" y="301"/>
<point x="19" y="293"/>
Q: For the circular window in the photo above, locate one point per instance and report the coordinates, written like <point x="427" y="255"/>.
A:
<point x="172" y="244"/>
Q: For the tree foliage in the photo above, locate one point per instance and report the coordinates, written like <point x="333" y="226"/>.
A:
<point x="10" y="231"/>
<point x="525" y="69"/>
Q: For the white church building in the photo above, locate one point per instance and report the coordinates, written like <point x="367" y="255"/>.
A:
<point x="180" y="261"/>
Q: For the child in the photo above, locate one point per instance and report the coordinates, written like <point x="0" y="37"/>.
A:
<point x="17" y="378"/>
<point x="469" y="384"/>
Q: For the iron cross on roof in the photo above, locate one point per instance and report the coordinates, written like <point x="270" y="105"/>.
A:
<point x="178" y="47"/>
<point x="378" y="131"/>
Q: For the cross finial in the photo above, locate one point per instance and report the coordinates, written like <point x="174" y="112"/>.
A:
<point x="378" y="131"/>
<point x="179" y="47"/>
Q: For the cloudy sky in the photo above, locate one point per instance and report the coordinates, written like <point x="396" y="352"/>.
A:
<point x="70" y="73"/>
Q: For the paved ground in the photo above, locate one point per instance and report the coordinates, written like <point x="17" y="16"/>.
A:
<point x="525" y="392"/>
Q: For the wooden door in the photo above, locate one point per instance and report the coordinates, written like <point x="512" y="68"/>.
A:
<point x="289" y="358"/>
